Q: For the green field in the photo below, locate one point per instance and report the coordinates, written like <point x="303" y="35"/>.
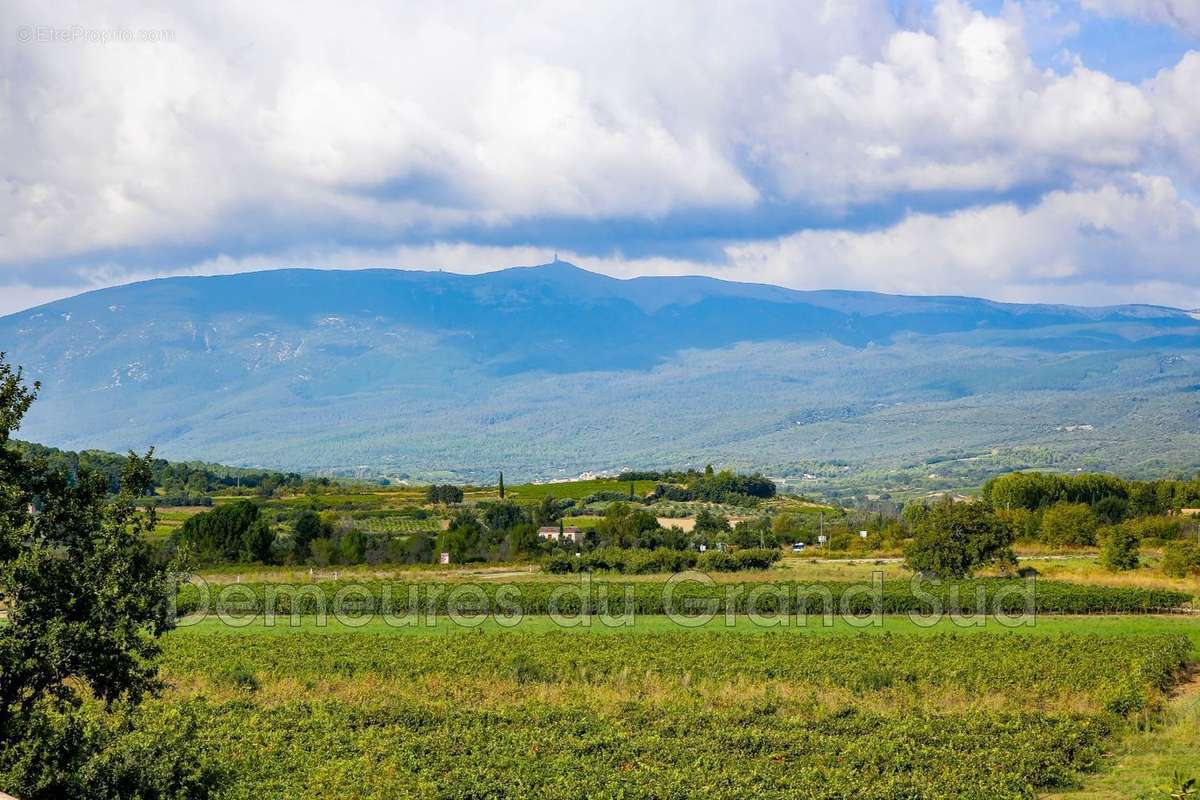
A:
<point x="574" y="490"/>
<point x="666" y="712"/>
<point x="1046" y="625"/>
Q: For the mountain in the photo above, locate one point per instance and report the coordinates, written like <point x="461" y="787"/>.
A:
<point x="550" y="370"/>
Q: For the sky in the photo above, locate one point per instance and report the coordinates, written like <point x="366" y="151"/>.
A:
<point x="1034" y="150"/>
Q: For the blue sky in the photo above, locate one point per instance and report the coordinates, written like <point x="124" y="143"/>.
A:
<point x="1026" y="151"/>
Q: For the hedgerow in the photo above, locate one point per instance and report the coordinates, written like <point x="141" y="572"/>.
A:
<point x="687" y="594"/>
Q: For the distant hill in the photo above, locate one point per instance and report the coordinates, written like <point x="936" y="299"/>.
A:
<point x="551" y="370"/>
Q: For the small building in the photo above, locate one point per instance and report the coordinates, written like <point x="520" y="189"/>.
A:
<point x="569" y="533"/>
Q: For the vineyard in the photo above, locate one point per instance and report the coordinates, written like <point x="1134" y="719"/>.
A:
<point x="687" y="597"/>
<point x="685" y="714"/>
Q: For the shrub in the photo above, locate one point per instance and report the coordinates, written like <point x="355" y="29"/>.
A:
<point x="1181" y="558"/>
<point x="755" y="558"/>
<point x="1119" y="551"/>
<point x="1069" y="525"/>
<point x="1158" y="528"/>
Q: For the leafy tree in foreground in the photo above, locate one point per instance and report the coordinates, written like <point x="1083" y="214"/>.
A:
<point x="954" y="539"/>
<point x="86" y="602"/>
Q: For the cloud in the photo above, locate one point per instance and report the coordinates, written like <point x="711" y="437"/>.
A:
<point x="1182" y="14"/>
<point x="1177" y="130"/>
<point x="959" y="108"/>
<point x="249" y="137"/>
<point x="1113" y="244"/>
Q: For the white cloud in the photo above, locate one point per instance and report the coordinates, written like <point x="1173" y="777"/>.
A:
<point x="290" y="131"/>
<point x="386" y="117"/>
<point x="961" y="107"/>
<point x="1174" y="93"/>
<point x="1113" y="244"/>
<point x="1133" y="242"/>
<point x="1183" y="14"/>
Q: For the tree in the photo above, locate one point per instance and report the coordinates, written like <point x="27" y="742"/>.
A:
<point x="1111" y="509"/>
<point x="86" y="602"/>
<point x="547" y="512"/>
<point x="503" y="517"/>
<point x="523" y="539"/>
<point x="625" y="526"/>
<point x="955" y="539"/>
<point x="1119" y="551"/>
<point x="709" y="523"/>
<point x="1180" y="559"/>
<point x="309" y="527"/>
<point x="1069" y="525"/>
<point x="352" y="547"/>
<point x="237" y="532"/>
<point x="501" y="485"/>
<point x="445" y="493"/>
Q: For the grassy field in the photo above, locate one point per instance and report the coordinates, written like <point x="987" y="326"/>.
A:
<point x="1044" y="625"/>
<point x="574" y="490"/>
<point x="660" y="711"/>
<point x="1142" y="761"/>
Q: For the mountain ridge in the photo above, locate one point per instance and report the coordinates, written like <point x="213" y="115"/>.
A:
<point x="551" y="369"/>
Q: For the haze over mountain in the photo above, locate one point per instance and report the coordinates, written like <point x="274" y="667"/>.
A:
<point x="552" y="370"/>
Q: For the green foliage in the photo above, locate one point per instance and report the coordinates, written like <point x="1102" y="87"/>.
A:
<point x="444" y="493"/>
<point x="150" y="752"/>
<point x="644" y="561"/>
<point x="955" y="539"/>
<point x="1119" y="549"/>
<point x="648" y="597"/>
<point x="1181" y="559"/>
<point x="1110" y="498"/>
<point x="710" y="524"/>
<point x="1069" y="525"/>
<point x="308" y="527"/>
<point x="1180" y="787"/>
<point x="503" y="516"/>
<point x="685" y="746"/>
<point x="86" y="602"/>
<point x="237" y="532"/>
<point x="626" y="526"/>
<point x="181" y="482"/>
<point x="720" y="487"/>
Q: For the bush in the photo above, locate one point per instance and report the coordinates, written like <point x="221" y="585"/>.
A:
<point x="151" y="753"/>
<point x="1159" y="528"/>
<point x="755" y="558"/>
<point x="1180" y="559"/>
<point x="1069" y="525"/>
<point x="717" y="561"/>
<point x="1119" y="551"/>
